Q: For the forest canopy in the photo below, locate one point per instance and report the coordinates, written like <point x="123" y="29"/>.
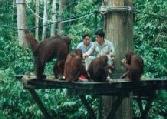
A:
<point x="78" y="16"/>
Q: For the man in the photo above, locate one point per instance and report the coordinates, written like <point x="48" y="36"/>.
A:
<point x="86" y="45"/>
<point x="100" y="48"/>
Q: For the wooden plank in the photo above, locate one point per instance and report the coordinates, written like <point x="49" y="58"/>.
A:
<point x="117" y="86"/>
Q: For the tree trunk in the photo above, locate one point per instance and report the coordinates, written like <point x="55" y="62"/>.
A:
<point x="21" y="21"/>
<point x="54" y="13"/>
<point x="37" y="19"/>
<point x="118" y="27"/>
<point x="44" y="20"/>
<point x="61" y="8"/>
<point x="13" y="14"/>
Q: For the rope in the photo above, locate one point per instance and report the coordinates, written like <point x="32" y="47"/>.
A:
<point x="58" y="21"/>
<point x="161" y="16"/>
<point x="8" y="26"/>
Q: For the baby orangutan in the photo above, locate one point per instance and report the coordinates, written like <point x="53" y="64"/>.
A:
<point x="54" y="47"/>
<point x="74" y="68"/>
<point x="134" y="67"/>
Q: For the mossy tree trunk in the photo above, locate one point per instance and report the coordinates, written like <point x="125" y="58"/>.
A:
<point x="45" y="17"/>
<point x="21" y="21"/>
<point x="54" y="18"/>
<point x="62" y="4"/>
<point x="37" y="19"/>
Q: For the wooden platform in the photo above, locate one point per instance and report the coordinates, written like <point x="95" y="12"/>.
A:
<point x="142" y="90"/>
<point x="102" y="88"/>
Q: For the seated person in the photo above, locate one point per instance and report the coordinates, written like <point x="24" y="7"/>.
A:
<point x="100" y="48"/>
<point x="86" y="45"/>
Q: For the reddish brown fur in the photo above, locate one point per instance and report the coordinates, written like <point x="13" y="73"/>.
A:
<point x="54" y="47"/>
<point x="134" y="67"/>
<point x="74" y="67"/>
<point x="98" y="69"/>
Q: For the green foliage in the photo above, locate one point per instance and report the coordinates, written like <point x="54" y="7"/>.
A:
<point x="15" y="102"/>
<point x="150" y="38"/>
<point x="150" y="35"/>
<point x="86" y="22"/>
<point x="13" y="98"/>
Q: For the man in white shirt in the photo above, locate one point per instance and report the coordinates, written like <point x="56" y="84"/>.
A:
<point x="100" y="48"/>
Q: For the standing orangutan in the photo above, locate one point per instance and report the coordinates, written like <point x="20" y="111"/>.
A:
<point x="134" y="66"/>
<point x="74" y="69"/>
<point x="98" y="69"/>
<point x="54" y="47"/>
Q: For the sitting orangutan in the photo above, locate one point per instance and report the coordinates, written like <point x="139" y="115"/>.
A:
<point x="74" y="68"/>
<point x="98" y="69"/>
<point x="54" y="47"/>
<point x="134" y="66"/>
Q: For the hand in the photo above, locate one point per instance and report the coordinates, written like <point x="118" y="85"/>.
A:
<point x="111" y="56"/>
<point x="84" y="55"/>
<point x="123" y="61"/>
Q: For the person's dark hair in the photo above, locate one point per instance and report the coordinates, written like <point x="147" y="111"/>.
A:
<point x="86" y="34"/>
<point x="100" y="33"/>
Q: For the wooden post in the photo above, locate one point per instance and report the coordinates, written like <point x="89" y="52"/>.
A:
<point x="21" y="21"/>
<point x="40" y="104"/>
<point x="118" y="28"/>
